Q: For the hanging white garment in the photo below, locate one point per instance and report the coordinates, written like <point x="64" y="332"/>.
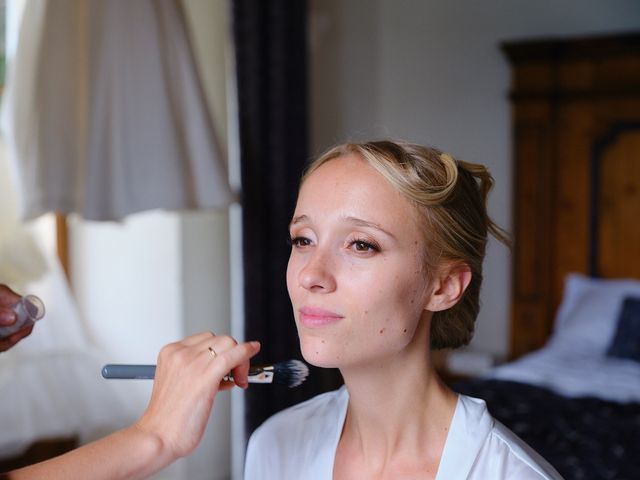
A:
<point x="104" y="112"/>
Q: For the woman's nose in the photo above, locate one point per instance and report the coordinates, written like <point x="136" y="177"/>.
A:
<point x="316" y="274"/>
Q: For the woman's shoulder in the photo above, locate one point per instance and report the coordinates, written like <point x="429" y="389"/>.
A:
<point x="523" y="462"/>
<point x="500" y="448"/>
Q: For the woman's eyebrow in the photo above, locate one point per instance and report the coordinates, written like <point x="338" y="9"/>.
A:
<point x="298" y="219"/>
<point x="364" y="223"/>
<point x="354" y="220"/>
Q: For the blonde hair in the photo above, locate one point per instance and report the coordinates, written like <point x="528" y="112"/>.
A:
<point x="450" y="196"/>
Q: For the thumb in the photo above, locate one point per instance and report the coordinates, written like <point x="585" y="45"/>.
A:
<point x="7" y="316"/>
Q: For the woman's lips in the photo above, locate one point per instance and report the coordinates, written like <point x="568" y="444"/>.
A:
<point x="317" y="317"/>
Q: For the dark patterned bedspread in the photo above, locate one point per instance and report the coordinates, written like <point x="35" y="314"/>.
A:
<point x="583" y="438"/>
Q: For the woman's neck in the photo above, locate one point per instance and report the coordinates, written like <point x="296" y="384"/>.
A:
<point x="399" y="413"/>
<point x="393" y="403"/>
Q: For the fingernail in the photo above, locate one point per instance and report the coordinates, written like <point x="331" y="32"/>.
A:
<point x="255" y="344"/>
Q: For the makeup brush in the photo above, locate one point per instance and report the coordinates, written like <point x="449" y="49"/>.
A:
<point x="290" y="373"/>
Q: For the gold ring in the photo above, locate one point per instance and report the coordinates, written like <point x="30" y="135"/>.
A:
<point x="212" y="352"/>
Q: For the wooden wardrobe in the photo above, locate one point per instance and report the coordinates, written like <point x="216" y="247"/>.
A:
<point x="576" y="153"/>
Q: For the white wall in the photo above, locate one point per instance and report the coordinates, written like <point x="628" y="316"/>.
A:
<point x="430" y="71"/>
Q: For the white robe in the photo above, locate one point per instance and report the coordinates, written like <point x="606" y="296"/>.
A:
<point x="300" y="443"/>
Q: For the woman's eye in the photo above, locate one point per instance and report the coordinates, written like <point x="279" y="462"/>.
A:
<point x="300" y="242"/>
<point x="362" y="246"/>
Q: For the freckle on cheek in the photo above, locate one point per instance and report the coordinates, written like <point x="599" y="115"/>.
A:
<point x="404" y="331"/>
<point x="381" y="331"/>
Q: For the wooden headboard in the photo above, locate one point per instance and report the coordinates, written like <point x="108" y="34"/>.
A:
<point x="576" y="152"/>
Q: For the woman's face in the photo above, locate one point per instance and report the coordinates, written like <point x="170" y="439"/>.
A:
<point x="355" y="274"/>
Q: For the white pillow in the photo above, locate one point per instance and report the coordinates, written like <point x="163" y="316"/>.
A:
<point x="588" y="315"/>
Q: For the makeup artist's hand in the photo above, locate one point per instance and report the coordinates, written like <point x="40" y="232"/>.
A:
<point x="188" y="376"/>
<point x="8" y="317"/>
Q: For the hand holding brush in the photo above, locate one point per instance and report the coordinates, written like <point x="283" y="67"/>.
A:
<point x="188" y="376"/>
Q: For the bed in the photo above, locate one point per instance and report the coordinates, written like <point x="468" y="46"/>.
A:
<point x="572" y="386"/>
<point x="577" y="400"/>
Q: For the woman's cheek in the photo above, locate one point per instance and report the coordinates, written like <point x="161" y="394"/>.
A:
<point x="324" y="352"/>
<point x="293" y="272"/>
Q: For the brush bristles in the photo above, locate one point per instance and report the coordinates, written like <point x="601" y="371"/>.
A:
<point x="291" y="373"/>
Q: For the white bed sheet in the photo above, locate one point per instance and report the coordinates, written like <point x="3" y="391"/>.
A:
<point x="57" y="395"/>
<point x="573" y="374"/>
<point x="50" y="382"/>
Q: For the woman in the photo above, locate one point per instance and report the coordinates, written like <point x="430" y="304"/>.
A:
<point x="388" y="241"/>
<point x="188" y="376"/>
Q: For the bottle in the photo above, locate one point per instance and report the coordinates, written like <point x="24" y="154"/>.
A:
<point x="29" y="309"/>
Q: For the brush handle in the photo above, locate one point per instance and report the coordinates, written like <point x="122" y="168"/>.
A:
<point x="257" y="374"/>
<point x="129" y="372"/>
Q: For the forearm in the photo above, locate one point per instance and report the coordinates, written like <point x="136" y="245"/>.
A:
<point x="126" y="454"/>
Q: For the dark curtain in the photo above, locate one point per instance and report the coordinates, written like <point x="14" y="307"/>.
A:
<point x="271" y="65"/>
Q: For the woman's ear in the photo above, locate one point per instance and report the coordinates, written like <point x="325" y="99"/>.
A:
<point x="449" y="287"/>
